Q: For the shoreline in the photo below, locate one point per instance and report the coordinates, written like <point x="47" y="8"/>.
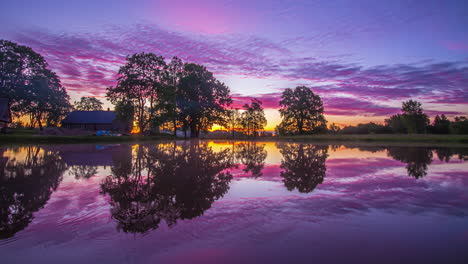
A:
<point x="371" y="138"/>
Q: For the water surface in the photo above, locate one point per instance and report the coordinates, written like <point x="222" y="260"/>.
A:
<point x="233" y="202"/>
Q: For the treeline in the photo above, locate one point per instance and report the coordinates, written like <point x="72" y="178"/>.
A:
<point x="412" y="120"/>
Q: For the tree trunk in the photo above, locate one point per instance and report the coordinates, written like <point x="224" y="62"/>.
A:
<point x="39" y="123"/>
<point x="193" y="131"/>
<point x="174" y="123"/>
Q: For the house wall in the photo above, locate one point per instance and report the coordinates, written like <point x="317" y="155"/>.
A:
<point x="93" y="127"/>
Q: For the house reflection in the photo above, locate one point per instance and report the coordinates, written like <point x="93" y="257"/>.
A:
<point x="303" y="165"/>
<point x="165" y="182"/>
<point x="26" y="183"/>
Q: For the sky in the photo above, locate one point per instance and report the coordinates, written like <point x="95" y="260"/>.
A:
<point x="362" y="57"/>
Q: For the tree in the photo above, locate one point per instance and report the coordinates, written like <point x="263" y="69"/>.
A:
<point x="334" y="128"/>
<point x="233" y="121"/>
<point x="441" y="125"/>
<point x="415" y="120"/>
<point x="140" y="81"/>
<point x="201" y="99"/>
<point x="396" y="123"/>
<point x="125" y="112"/>
<point x="302" y="111"/>
<point x="412" y="120"/>
<point x="33" y="89"/>
<point x="88" y="104"/>
<point x="460" y="125"/>
<point x="253" y="118"/>
<point x="166" y="109"/>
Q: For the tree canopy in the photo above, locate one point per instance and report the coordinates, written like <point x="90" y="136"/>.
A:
<point x="302" y="111"/>
<point x="253" y="118"/>
<point x="412" y="119"/>
<point x="140" y="82"/>
<point x="88" y="104"/>
<point x="32" y="88"/>
<point x="186" y="95"/>
<point x="201" y="99"/>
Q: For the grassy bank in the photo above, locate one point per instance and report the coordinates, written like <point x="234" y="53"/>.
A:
<point x="29" y="137"/>
<point x="415" y="138"/>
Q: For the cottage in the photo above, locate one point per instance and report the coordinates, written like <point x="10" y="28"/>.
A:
<point x="92" y="120"/>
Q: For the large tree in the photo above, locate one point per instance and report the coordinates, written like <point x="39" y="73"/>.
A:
<point x="32" y="88"/>
<point x="140" y="81"/>
<point x="88" y="104"/>
<point x="253" y="118"/>
<point x="166" y="109"/>
<point x="201" y="99"/>
<point x="412" y="119"/>
<point x="302" y="111"/>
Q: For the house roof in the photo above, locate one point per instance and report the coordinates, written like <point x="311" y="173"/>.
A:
<point x="5" y="114"/>
<point x="90" y="117"/>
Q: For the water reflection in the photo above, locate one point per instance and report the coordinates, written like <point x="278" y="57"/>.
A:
<point x="303" y="165"/>
<point x="416" y="158"/>
<point x="83" y="171"/>
<point x="252" y="156"/>
<point x="26" y="183"/>
<point x="165" y="182"/>
<point x="154" y="183"/>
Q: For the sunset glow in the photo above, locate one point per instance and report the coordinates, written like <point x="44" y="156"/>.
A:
<point x="362" y="58"/>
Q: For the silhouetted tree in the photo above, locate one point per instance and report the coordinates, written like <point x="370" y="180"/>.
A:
<point x="26" y="186"/>
<point x="165" y="182"/>
<point x="460" y="125"/>
<point x="33" y="89"/>
<point x="397" y="124"/>
<point x="369" y="128"/>
<point x="125" y="112"/>
<point x="253" y="118"/>
<point x="201" y="99"/>
<point x="334" y="128"/>
<point x="413" y="119"/>
<point x="166" y="109"/>
<point x="302" y="111"/>
<point x="303" y="165"/>
<point x="88" y="104"/>
<point x="233" y="121"/>
<point x="416" y="159"/>
<point x="140" y="82"/>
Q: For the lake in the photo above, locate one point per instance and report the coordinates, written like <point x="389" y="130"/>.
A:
<point x="233" y="202"/>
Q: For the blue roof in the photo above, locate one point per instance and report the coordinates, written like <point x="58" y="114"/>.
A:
<point x="90" y="117"/>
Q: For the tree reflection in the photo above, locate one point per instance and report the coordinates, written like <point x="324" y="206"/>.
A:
<point x="165" y="182"/>
<point x="26" y="185"/>
<point x="416" y="158"/>
<point x="252" y="155"/>
<point x="83" y="171"/>
<point x="303" y="165"/>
